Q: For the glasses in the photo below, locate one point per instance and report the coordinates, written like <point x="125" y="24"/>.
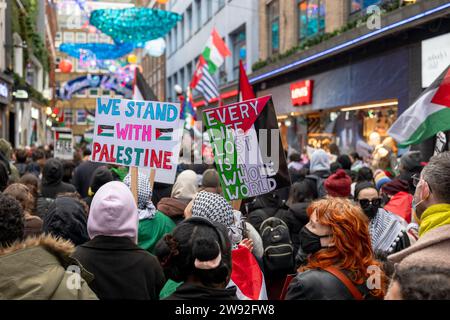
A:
<point x="416" y="179"/>
<point x="366" y="202"/>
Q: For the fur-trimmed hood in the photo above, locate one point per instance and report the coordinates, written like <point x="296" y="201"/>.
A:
<point x="38" y="268"/>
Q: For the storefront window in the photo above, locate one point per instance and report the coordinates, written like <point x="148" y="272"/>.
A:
<point x="358" y="5"/>
<point x="238" y="40"/>
<point x="273" y="26"/>
<point x="311" y="15"/>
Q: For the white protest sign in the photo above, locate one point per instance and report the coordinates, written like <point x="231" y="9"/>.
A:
<point x="63" y="148"/>
<point x="144" y="134"/>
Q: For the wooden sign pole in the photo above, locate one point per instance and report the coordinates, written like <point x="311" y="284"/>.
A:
<point x="152" y="178"/>
<point x="236" y="204"/>
<point x="134" y="182"/>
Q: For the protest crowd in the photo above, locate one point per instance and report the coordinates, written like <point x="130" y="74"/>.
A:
<point x="356" y="228"/>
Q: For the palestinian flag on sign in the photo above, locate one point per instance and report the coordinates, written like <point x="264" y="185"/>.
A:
<point x="163" y="134"/>
<point x="427" y="116"/>
<point x="105" y="130"/>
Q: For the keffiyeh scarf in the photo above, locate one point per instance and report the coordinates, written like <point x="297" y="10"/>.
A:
<point x="146" y="209"/>
<point x="385" y="231"/>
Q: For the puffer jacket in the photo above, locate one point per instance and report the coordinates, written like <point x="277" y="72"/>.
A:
<point x="42" y="274"/>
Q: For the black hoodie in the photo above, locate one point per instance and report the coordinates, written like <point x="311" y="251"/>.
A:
<point x="52" y="179"/>
<point x="296" y="218"/>
<point x="189" y="291"/>
<point x="66" y="218"/>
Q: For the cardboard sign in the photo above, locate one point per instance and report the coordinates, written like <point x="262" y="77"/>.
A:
<point x="145" y="134"/>
<point x="63" y="143"/>
<point x="247" y="148"/>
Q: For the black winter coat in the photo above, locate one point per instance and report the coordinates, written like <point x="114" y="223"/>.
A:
<point x="121" y="269"/>
<point x="82" y="176"/>
<point x="319" y="284"/>
<point x="296" y="218"/>
<point x="188" y="291"/>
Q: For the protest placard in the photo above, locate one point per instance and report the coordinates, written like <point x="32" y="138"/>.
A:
<point x="63" y="148"/>
<point x="247" y="148"/>
<point x="144" y="134"/>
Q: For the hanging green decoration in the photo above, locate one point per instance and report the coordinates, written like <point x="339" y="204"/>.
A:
<point x="134" y="24"/>
<point x="102" y="51"/>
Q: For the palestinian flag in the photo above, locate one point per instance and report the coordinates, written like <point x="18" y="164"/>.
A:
<point x="427" y="116"/>
<point x="247" y="276"/>
<point x="164" y="134"/>
<point x="105" y="130"/>
<point x="245" y="88"/>
<point x="215" y="52"/>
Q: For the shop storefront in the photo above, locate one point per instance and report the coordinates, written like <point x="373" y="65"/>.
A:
<point x="5" y="99"/>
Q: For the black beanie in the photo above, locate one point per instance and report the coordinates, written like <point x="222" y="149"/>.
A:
<point x="411" y="161"/>
<point x="101" y="176"/>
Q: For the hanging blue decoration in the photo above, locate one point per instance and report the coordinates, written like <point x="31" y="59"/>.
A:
<point x="134" y="24"/>
<point x="102" y="51"/>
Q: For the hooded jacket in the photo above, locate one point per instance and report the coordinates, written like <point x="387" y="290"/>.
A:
<point x="122" y="270"/>
<point x="188" y="291"/>
<point x="173" y="208"/>
<point x="67" y="219"/>
<point x="36" y="269"/>
<point x="296" y="218"/>
<point x="52" y="183"/>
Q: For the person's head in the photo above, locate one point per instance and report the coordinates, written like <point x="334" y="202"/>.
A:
<point x="366" y="194"/>
<point x="300" y="192"/>
<point x="335" y="166"/>
<point x="197" y="251"/>
<point x="4" y="177"/>
<point x="38" y="156"/>
<point x="345" y="161"/>
<point x="102" y="175"/>
<point x="145" y="206"/>
<point x="338" y="184"/>
<point x="211" y="181"/>
<point x="334" y="149"/>
<point x="214" y="207"/>
<point x="86" y="154"/>
<point x="32" y="182"/>
<point x="365" y="174"/>
<point x="5" y="148"/>
<point x="113" y="212"/>
<point x="21" y="156"/>
<point x="420" y="283"/>
<point x="67" y="218"/>
<point x="68" y="168"/>
<point x="295" y="157"/>
<point x="433" y="186"/>
<point x="320" y="161"/>
<point x="354" y="156"/>
<point x="185" y="187"/>
<point x="53" y="171"/>
<point x="337" y="234"/>
<point x="12" y="221"/>
<point x="21" y="193"/>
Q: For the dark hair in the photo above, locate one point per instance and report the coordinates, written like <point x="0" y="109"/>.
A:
<point x="87" y="152"/>
<point x="295" y="157"/>
<point x="21" y="193"/>
<point x="300" y="192"/>
<point x="32" y="182"/>
<point x="12" y="221"/>
<point x="363" y="185"/>
<point x="335" y="166"/>
<point x="345" y="161"/>
<point x="423" y="283"/>
<point x="195" y="238"/>
<point x="68" y="168"/>
<point x="21" y="156"/>
<point x="365" y="174"/>
<point x="356" y="156"/>
<point x="4" y="178"/>
<point x="437" y="175"/>
<point x="37" y="155"/>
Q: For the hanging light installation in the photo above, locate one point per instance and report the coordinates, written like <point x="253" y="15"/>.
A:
<point x="134" y="24"/>
<point x="102" y="51"/>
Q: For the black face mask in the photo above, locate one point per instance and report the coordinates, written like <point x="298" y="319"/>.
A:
<point x="370" y="208"/>
<point x="309" y="241"/>
<point x="371" y="211"/>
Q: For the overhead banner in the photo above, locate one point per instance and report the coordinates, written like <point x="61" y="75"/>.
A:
<point x="247" y="148"/>
<point x="63" y="148"/>
<point x="144" y="134"/>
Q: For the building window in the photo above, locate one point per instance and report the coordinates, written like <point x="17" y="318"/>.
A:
<point x="239" y="49"/>
<point x="189" y="21"/>
<point x="198" y="14"/>
<point x="358" y="5"/>
<point x="209" y="9"/>
<point x="181" y="24"/>
<point x="311" y="15"/>
<point x="182" y="84"/>
<point x="189" y="73"/>
<point x="221" y="4"/>
<point x="273" y="19"/>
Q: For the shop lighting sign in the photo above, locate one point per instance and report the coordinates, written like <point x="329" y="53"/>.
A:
<point x="301" y="92"/>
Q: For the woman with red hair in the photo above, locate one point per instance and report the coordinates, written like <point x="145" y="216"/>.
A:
<point x="341" y="264"/>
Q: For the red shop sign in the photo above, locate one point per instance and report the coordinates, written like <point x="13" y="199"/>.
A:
<point x="301" y="92"/>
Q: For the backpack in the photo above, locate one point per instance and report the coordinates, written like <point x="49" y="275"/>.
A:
<point x="278" y="249"/>
<point x="319" y="186"/>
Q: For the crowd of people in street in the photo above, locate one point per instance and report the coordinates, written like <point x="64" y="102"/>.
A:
<point x="345" y="230"/>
